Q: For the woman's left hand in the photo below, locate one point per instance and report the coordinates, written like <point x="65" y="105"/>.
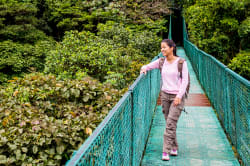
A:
<point x="177" y="101"/>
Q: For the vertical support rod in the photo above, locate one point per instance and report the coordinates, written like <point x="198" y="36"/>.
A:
<point x="170" y="28"/>
<point x="132" y="126"/>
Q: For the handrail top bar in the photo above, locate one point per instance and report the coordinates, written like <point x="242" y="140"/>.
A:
<point x="75" y="158"/>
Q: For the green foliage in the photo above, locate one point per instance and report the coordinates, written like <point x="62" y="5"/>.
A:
<point x="158" y="26"/>
<point x="106" y="57"/>
<point x="78" y="15"/>
<point x="115" y="32"/>
<point x="18" y="58"/>
<point x="244" y="33"/>
<point x="81" y="15"/>
<point x="213" y="26"/>
<point x="42" y="120"/>
<point x="79" y="52"/>
<point x="23" y="45"/>
<point x="3" y="77"/>
<point x="144" y="41"/>
<point x="185" y="3"/>
<point x="217" y="46"/>
<point x="19" y="23"/>
<point x="241" y="64"/>
<point x="140" y="10"/>
<point x="147" y="42"/>
<point x="57" y="17"/>
<point x="143" y="15"/>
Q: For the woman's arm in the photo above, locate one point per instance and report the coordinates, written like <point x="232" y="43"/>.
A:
<point x="150" y="66"/>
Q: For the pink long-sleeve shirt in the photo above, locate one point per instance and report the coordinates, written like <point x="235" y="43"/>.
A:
<point x="171" y="81"/>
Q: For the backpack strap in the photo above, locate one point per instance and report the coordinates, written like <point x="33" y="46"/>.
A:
<point x="161" y="62"/>
<point x="180" y="66"/>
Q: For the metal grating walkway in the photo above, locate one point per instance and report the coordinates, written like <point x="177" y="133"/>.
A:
<point x="202" y="141"/>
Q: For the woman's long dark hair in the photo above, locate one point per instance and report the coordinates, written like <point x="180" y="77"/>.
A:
<point x="170" y="43"/>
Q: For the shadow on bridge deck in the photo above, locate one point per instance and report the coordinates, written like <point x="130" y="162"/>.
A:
<point x="201" y="139"/>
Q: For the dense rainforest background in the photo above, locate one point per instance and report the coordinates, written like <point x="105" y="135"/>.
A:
<point x="65" y="63"/>
<point x="222" y="29"/>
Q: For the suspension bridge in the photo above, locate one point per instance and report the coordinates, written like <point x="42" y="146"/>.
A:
<point x="216" y="124"/>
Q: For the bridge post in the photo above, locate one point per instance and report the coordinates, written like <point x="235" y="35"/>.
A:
<point x="132" y="128"/>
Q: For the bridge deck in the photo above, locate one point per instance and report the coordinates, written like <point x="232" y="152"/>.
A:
<point x="202" y="141"/>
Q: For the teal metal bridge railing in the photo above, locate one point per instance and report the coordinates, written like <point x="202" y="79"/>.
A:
<point x="228" y="93"/>
<point x="121" y="137"/>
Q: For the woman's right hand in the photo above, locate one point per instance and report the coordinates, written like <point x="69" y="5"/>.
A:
<point x="143" y="70"/>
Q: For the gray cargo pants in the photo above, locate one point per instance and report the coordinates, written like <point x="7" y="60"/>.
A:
<point x="172" y="114"/>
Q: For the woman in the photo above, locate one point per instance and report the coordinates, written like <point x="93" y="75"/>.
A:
<point x="172" y="93"/>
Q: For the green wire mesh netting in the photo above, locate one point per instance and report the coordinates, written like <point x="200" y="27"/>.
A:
<point x="228" y="93"/>
<point x="121" y="138"/>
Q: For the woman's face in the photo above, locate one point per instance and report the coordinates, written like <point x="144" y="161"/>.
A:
<point x="165" y="49"/>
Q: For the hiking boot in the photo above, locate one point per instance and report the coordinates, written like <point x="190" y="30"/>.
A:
<point x="173" y="152"/>
<point x="165" y="156"/>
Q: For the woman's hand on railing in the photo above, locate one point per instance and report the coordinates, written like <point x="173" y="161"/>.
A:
<point x="143" y="70"/>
